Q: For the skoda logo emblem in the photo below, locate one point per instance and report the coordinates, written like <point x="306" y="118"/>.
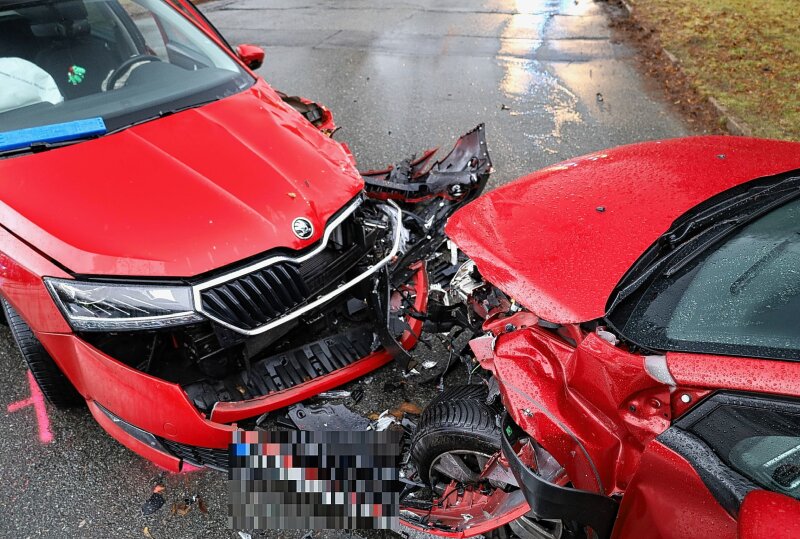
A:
<point x="302" y="228"/>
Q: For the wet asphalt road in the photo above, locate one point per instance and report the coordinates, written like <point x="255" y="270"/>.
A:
<point x="400" y="76"/>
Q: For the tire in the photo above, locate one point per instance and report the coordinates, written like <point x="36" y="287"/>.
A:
<point x="454" y="425"/>
<point x="54" y="385"/>
<point x="476" y="392"/>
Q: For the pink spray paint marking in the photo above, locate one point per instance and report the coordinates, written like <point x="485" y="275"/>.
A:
<point x="37" y="401"/>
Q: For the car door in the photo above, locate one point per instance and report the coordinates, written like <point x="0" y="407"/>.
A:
<point x="723" y="325"/>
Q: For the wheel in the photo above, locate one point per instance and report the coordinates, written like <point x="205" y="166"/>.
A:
<point x="54" y="385"/>
<point x="476" y="392"/>
<point x="456" y="435"/>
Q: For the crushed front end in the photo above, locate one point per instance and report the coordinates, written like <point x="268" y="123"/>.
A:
<point x="275" y="329"/>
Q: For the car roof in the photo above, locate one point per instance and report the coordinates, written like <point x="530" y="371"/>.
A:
<point x="560" y="240"/>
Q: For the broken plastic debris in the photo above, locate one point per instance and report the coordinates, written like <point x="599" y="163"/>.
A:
<point x="181" y="509"/>
<point x="384" y="421"/>
<point x="245" y="535"/>
<point x="154" y="503"/>
<point x="146" y="532"/>
<point x="429" y="364"/>
<point x="335" y="394"/>
<point x="412" y="372"/>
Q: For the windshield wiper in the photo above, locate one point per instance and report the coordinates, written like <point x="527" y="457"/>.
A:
<point x="741" y="209"/>
<point x="732" y="225"/>
<point x="38" y="147"/>
<point x="161" y="114"/>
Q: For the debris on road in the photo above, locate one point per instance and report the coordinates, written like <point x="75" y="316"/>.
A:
<point x="146" y="532"/>
<point x="155" y="502"/>
<point x="429" y="364"/>
<point x="335" y="394"/>
<point x="384" y="421"/>
<point x="327" y="417"/>
<point x="180" y="508"/>
<point x="406" y="408"/>
<point x="357" y="395"/>
<point x="394" y="385"/>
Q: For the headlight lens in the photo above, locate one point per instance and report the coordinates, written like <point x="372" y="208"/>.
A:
<point x="92" y="306"/>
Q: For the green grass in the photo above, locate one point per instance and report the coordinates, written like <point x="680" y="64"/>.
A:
<point x="745" y="53"/>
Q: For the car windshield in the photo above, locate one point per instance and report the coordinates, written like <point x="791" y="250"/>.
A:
<point x="740" y="298"/>
<point x="124" y="61"/>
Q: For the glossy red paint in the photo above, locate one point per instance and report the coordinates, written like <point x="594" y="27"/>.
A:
<point x="251" y="55"/>
<point x="163" y="460"/>
<point x="768" y="514"/>
<point x="736" y="373"/>
<point x="668" y="500"/>
<point x="151" y="404"/>
<point x="144" y="202"/>
<point x="560" y="239"/>
<point x="593" y="407"/>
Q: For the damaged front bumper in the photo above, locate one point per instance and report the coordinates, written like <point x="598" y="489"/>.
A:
<point x="283" y="328"/>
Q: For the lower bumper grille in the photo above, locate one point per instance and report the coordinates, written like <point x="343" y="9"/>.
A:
<point x="285" y="370"/>
<point x="198" y="456"/>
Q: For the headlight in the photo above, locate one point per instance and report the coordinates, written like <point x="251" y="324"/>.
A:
<point x="106" y="307"/>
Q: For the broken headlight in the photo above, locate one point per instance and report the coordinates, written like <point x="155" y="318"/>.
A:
<point x="92" y="306"/>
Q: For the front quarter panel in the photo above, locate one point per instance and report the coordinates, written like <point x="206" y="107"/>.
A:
<point x="21" y="271"/>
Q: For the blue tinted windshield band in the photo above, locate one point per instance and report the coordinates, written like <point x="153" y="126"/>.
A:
<point x="22" y="138"/>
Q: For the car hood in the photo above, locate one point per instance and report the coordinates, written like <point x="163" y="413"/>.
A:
<point x="182" y="195"/>
<point x="560" y="240"/>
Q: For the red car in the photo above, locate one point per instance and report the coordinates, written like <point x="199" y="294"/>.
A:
<point x="184" y="248"/>
<point x="636" y="370"/>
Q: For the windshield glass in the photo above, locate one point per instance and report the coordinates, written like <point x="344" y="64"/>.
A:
<point x="740" y="298"/>
<point x="124" y="61"/>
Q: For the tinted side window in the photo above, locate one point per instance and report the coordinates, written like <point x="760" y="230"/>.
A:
<point x="742" y="297"/>
<point x="757" y="437"/>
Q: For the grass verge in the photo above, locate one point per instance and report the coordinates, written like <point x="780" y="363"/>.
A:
<point x="743" y="53"/>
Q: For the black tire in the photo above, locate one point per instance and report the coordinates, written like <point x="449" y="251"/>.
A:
<point x="454" y="425"/>
<point x="476" y="392"/>
<point x="54" y="385"/>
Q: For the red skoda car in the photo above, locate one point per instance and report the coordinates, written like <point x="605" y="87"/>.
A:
<point x="184" y="248"/>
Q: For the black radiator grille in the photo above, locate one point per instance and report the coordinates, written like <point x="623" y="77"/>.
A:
<point x="284" y="369"/>
<point x="267" y="294"/>
<point x="255" y="299"/>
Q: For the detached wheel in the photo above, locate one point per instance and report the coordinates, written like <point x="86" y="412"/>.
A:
<point x="54" y="385"/>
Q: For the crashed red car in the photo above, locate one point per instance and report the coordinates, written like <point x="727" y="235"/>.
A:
<point x="635" y="361"/>
<point x="184" y="248"/>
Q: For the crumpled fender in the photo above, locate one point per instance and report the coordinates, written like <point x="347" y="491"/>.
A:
<point x="593" y="408"/>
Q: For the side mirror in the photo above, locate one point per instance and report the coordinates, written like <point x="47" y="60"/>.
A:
<point x="768" y="514"/>
<point x="251" y="55"/>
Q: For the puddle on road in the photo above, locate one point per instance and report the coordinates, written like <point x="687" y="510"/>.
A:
<point x="533" y="90"/>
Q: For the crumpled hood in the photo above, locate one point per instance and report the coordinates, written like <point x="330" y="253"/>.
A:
<point x="182" y="195"/>
<point x="560" y="240"/>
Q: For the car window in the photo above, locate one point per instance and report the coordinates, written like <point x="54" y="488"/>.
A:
<point x="757" y="437"/>
<point x="742" y="297"/>
<point x="124" y="61"/>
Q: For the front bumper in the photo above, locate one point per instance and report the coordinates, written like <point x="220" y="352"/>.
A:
<point x="158" y="420"/>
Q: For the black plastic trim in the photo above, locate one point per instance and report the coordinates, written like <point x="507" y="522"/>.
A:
<point x="554" y="502"/>
<point x="727" y="486"/>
